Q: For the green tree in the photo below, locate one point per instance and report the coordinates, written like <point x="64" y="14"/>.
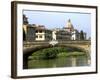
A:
<point x="81" y="35"/>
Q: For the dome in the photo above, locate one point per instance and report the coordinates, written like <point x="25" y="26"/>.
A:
<point x="69" y="24"/>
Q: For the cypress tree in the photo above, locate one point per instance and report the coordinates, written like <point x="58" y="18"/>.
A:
<point x="81" y="35"/>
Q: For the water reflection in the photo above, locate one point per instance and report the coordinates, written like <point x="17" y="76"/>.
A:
<point x="60" y="62"/>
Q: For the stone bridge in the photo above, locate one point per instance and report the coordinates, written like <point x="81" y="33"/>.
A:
<point x="30" y="47"/>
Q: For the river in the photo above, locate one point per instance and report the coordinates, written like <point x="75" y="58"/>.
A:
<point x="71" y="61"/>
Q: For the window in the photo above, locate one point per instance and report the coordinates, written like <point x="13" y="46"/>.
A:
<point x="40" y="36"/>
<point x="36" y="31"/>
<point x="40" y="31"/>
<point x="37" y="36"/>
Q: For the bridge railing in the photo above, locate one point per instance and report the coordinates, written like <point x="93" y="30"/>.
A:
<point x="59" y="42"/>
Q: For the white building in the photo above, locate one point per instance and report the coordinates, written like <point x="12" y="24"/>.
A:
<point x="42" y="33"/>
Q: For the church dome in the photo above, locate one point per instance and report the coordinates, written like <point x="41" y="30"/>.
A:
<point x="69" y="24"/>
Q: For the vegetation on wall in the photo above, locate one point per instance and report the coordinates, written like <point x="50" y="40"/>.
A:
<point x="51" y="53"/>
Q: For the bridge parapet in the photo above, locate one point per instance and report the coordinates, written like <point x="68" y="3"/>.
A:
<point x="85" y="42"/>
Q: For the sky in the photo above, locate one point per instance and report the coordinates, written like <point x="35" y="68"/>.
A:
<point x="52" y="19"/>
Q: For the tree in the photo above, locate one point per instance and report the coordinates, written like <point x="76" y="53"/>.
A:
<point x="81" y="35"/>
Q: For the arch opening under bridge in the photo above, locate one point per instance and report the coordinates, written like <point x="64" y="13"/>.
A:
<point x="27" y="52"/>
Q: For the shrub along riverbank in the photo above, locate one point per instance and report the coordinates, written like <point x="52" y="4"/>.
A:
<point x="51" y="53"/>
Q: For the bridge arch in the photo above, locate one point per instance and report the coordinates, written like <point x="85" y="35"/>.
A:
<point x="27" y="52"/>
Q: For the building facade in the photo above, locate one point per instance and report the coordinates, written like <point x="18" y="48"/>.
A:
<point x="30" y="33"/>
<point x="35" y="32"/>
<point x="43" y="34"/>
<point x="63" y="35"/>
<point x="67" y="33"/>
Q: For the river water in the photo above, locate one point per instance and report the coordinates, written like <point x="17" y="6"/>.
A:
<point x="59" y="62"/>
